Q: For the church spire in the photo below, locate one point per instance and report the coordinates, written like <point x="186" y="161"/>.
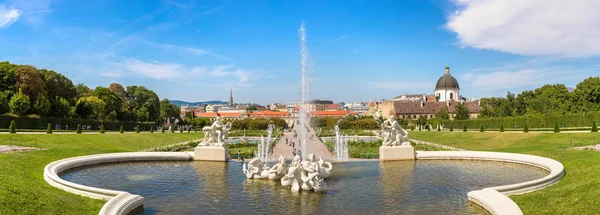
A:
<point x="447" y="70"/>
<point x="230" y="96"/>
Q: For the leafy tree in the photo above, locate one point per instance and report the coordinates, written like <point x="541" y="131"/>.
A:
<point x="60" y="108"/>
<point x="421" y="120"/>
<point x="82" y="91"/>
<point x="13" y="127"/>
<point x="7" y="76"/>
<point x="594" y="127"/>
<point x="251" y="108"/>
<point x="120" y="90"/>
<point x="28" y="79"/>
<point x="42" y="105"/>
<point x="168" y="112"/>
<point x="4" y="101"/>
<point x="79" y="128"/>
<point x="90" y="107"/>
<point x="586" y="96"/>
<point x="556" y="129"/>
<point x="112" y="102"/>
<point x="464" y="128"/>
<point x="19" y="103"/>
<point x="144" y="103"/>
<point x="137" y="129"/>
<point x="121" y="129"/>
<point x="49" y="129"/>
<point x="58" y="86"/>
<point x="462" y="113"/>
<point x="501" y="127"/>
<point x="102" y="128"/>
<point x="442" y="113"/>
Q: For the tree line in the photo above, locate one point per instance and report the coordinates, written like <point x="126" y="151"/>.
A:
<point x="27" y="90"/>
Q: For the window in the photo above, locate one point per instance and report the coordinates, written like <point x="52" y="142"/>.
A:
<point x="451" y="96"/>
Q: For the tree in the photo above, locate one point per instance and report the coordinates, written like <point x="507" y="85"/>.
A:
<point x="90" y="107"/>
<point x="102" y="128"/>
<point x="58" y="86"/>
<point x="464" y="128"/>
<point x="49" y="129"/>
<point x="120" y="90"/>
<point x="42" y="105"/>
<point x="82" y="91"/>
<point x="501" y="127"/>
<point x="442" y="113"/>
<point x="60" y="108"/>
<point x="112" y="102"/>
<point x="586" y="96"/>
<point x="4" y="102"/>
<point x="19" y="103"/>
<point x="462" y="113"/>
<point x="28" y="79"/>
<point x="594" y="127"/>
<point x="168" y="112"/>
<point x="556" y="129"/>
<point x="137" y="129"/>
<point x="144" y="103"/>
<point x="251" y="108"/>
<point x="121" y="129"/>
<point x="13" y="127"/>
<point x="7" y="76"/>
<point x="79" y="128"/>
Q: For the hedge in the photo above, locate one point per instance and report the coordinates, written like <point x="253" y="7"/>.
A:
<point x="532" y="121"/>
<point x="41" y="123"/>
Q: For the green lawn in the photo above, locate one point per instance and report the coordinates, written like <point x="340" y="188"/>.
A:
<point x="22" y="186"/>
<point x="577" y="193"/>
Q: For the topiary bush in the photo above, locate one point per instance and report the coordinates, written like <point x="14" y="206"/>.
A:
<point x="451" y="129"/>
<point x="419" y="128"/>
<point x="428" y="128"/>
<point x="13" y="127"/>
<point x="173" y="130"/>
<point x="594" y="127"/>
<point x="152" y="129"/>
<point x="481" y="129"/>
<point x="137" y="129"/>
<point x="79" y="128"/>
<point x="180" y="129"/>
<point x="501" y="127"/>
<point x="526" y="128"/>
<point x="464" y="128"/>
<point x="439" y="129"/>
<point x="162" y="130"/>
<point x="556" y="129"/>
<point x="189" y="129"/>
<point x="49" y="129"/>
<point x="121" y="129"/>
<point x="102" y="128"/>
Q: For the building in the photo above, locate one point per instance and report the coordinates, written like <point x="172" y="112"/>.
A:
<point x="360" y="107"/>
<point x="413" y="110"/>
<point x="213" y="108"/>
<point x="447" y="88"/>
<point x="410" y="97"/>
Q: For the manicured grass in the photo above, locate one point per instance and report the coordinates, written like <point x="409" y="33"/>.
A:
<point x="576" y="193"/>
<point x="22" y="186"/>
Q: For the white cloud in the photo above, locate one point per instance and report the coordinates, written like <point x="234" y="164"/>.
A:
<point x="398" y="85"/>
<point x="524" y="78"/>
<point x="153" y="70"/>
<point x="112" y="74"/>
<point x="33" y="11"/>
<point x="529" y="27"/>
<point x="8" y="16"/>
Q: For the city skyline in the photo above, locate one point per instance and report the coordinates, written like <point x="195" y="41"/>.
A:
<point x="359" y="52"/>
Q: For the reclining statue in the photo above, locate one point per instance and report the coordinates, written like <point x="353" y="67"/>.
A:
<point x="393" y="134"/>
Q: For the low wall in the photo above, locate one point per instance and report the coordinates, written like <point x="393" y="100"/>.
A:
<point x="119" y="202"/>
<point x="495" y="199"/>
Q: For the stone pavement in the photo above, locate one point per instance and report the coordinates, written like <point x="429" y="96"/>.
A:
<point x="313" y="146"/>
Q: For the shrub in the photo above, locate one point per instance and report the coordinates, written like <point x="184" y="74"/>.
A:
<point x="501" y="127"/>
<point x="526" y="128"/>
<point x="451" y="129"/>
<point x="137" y="129"/>
<point x="189" y="129"/>
<point x="464" y="128"/>
<point x="428" y="128"/>
<point x="180" y="129"/>
<point x="121" y="129"/>
<point x="172" y="130"/>
<point x="439" y="129"/>
<point x="594" y="127"/>
<point x="162" y="130"/>
<point x="151" y="129"/>
<point x="481" y="129"/>
<point x="79" y="128"/>
<point x="412" y="128"/>
<point x="419" y="127"/>
<point x="49" y="129"/>
<point x="13" y="127"/>
<point x="19" y="103"/>
<point x="102" y="128"/>
<point x="556" y="129"/>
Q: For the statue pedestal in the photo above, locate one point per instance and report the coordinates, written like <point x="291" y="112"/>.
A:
<point x="203" y="153"/>
<point x="394" y="153"/>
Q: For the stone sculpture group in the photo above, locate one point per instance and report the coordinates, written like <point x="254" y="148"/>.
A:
<point x="308" y="174"/>
<point x="217" y="134"/>
<point x="393" y="134"/>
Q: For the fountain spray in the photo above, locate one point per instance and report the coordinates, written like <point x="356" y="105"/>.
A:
<point x="303" y="117"/>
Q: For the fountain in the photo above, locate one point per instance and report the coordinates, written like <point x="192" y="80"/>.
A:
<point x="264" y="148"/>
<point x="341" y="145"/>
<point x="303" y="118"/>
<point x="214" y="145"/>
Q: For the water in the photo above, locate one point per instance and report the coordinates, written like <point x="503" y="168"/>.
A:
<point x="403" y="187"/>
<point x="341" y="147"/>
<point x="303" y="118"/>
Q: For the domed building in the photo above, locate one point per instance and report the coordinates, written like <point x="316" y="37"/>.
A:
<point x="447" y="88"/>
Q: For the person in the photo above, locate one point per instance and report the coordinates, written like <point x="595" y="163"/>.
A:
<point x="239" y="157"/>
<point x="294" y="152"/>
<point x="293" y="145"/>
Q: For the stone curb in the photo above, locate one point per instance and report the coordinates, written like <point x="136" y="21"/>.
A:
<point x="119" y="202"/>
<point x="495" y="199"/>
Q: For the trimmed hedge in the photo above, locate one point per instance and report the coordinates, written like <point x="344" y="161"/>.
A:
<point x="40" y="123"/>
<point x="532" y="121"/>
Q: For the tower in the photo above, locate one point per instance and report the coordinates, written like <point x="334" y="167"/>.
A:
<point x="447" y="88"/>
<point x="230" y="96"/>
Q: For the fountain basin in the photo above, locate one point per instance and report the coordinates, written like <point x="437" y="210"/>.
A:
<point x="485" y="198"/>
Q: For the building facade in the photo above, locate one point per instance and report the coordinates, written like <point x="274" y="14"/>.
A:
<point x="447" y="88"/>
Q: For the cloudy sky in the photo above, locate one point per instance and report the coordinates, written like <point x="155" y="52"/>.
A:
<point x="359" y="50"/>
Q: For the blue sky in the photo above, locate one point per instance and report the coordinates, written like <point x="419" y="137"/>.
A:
<point x="359" y="50"/>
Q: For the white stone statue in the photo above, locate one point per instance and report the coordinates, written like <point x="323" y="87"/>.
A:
<point x="217" y="134"/>
<point x="279" y="169"/>
<point x="393" y="134"/>
<point x="254" y="170"/>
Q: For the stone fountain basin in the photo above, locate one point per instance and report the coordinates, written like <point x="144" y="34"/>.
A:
<point x="493" y="199"/>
